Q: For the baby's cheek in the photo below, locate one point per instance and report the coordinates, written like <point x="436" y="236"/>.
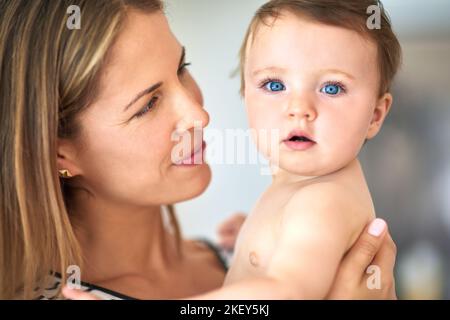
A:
<point x="265" y="125"/>
<point x="262" y="116"/>
<point x="347" y="145"/>
<point x="266" y="139"/>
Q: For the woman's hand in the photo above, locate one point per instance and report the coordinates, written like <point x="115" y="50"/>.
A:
<point x="374" y="247"/>
<point x="228" y="230"/>
<point x="75" y="294"/>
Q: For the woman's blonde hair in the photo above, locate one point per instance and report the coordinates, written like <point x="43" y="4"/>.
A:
<point x="48" y="75"/>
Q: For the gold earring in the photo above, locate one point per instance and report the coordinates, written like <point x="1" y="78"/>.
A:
<point x="65" y="173"/>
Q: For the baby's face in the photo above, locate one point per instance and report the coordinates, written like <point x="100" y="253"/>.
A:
<point x="318" y="85"/>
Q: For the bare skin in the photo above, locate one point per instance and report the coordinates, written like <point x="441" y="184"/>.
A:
<point x="257" y="242"/>
<point x="158" y="273"/>
<point x="368" y="249"/>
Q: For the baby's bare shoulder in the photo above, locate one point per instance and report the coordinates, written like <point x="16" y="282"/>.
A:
<point x="321" y="194"/>
<point x="326" y="203"/>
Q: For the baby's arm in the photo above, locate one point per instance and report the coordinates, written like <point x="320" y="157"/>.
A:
<point x="319" y="223"/>
<point x="315" y="233"/>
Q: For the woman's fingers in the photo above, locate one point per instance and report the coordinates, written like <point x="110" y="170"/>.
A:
<point x="385" y="261"/>
<point x="227" y="242"/>
<point x="385" y="258"/>
<point x="229" y="230"/>
<point x="373" y="246"/>
<point x="364" y="250"/>
<point x="75" y="294"/>
<point x="232" y="224"/>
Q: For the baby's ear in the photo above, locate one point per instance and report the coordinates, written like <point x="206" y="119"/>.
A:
<point x="379" y="114"/>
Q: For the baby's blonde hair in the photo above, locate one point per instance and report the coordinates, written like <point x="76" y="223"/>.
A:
<point x="350" y="14"/>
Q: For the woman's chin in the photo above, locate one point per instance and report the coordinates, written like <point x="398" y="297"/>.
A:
<point x="193" y="180"/>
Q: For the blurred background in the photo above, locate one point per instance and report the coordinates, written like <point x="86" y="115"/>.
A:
<point x="407" y="165"/>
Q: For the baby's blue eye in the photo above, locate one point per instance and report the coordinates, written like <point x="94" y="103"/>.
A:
<point x="274" y="86"/>
<point x="332" y="89"/>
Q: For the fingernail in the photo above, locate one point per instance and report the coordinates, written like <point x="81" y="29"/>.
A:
<point x="377" y="227"/>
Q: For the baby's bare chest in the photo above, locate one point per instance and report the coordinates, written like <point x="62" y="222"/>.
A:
<point x="257" y="241"/>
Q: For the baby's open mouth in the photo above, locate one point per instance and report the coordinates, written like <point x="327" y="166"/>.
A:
<point x="300" y="138"/>
<point x="299" y="141"/>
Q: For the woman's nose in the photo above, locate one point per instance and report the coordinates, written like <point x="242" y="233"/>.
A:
<point x="191" y="114"/>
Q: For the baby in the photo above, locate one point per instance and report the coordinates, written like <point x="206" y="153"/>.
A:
<point x="318" y="76"/>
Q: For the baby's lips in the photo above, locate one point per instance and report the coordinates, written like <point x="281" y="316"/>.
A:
<point x="299" y="133"/>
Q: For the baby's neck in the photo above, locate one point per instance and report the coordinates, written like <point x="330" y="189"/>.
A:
<point x="284" y="177"/>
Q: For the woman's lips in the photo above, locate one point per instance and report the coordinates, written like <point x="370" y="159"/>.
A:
<point x="195" y="158"/>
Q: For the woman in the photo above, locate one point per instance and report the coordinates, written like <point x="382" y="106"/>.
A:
<point x="99" y="105"/>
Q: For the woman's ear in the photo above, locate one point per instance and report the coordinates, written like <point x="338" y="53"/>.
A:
<point x="66" y="159"/>
<point x="379" y="114"/>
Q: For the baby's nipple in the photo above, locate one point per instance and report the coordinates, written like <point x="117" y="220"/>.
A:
<point x="253" y="257"/>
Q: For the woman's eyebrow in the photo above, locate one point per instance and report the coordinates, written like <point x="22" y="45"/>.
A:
<point x="143" y="93"/>
<point x="155" y="86"/>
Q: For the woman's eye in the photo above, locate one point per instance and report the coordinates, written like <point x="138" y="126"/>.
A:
<point x="274" y="86"/>
<point x="183" y="67"/>
<point x="332" y="89"/>
<point x="149" y="106"/>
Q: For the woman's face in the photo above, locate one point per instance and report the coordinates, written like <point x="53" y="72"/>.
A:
<point x="124" y="152"/>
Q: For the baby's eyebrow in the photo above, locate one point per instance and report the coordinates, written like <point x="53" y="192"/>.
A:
<point x="284" y="70"/>
<point x="346" y="74"/>
<point x="269" y="69"/>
